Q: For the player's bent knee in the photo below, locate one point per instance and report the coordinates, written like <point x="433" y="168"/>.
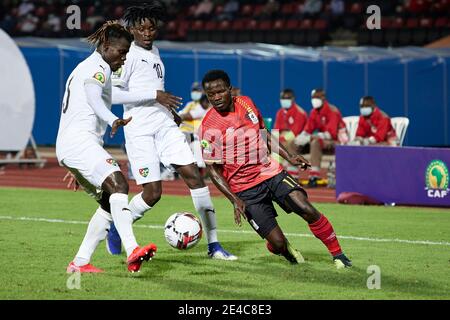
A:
<point x="151" y="195"/>
<point x="116" y="183"/>
<point x="277" y="245"/>
<point x="299" y="204"/>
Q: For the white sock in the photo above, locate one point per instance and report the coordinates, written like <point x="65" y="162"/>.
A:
<point x="138" y="207"/>
<point x="203" y="205"/>
<point x="96" y="232"/>
<point x="123" y="220"/>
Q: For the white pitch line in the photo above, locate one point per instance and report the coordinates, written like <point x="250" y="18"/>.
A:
<point x="440" y="243"/>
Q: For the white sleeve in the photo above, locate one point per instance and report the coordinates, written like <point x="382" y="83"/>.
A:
<point x="94" y="98"/>
<point x="120" y="96"/>
<point x="197" y="113"/>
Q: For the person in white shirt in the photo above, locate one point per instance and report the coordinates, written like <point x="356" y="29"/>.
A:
<point x="153" y="136"/>
<point x="85" y="115"/>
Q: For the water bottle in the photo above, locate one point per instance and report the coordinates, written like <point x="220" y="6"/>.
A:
<point x="331" y="175"/>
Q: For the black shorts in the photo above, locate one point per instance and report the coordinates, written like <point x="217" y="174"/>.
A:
<point x="259" y="207"/>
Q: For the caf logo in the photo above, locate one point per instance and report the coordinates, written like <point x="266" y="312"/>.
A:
<point x="437" y="179"/>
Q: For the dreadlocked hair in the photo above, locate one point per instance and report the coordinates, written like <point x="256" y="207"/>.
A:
<point x="154" y="11"/>
<point x="110" y="29"/>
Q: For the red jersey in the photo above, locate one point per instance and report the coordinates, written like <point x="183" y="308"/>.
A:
<point x="326" y="119"/>
<point x="234" y="140"/>
<point x="378" y="125"/>
<point x="292" y="119"/>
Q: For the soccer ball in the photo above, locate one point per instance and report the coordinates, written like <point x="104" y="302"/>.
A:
<point x="183" y="230"/>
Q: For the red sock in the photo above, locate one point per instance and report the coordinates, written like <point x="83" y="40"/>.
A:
<point x="323" y="230"/>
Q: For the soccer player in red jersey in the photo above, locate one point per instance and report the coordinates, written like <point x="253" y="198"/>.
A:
<point x="238" y="158"/>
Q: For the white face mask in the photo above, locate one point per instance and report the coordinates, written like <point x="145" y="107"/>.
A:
<point x="366" y="111"/>
<point x="316" y="103"/>
<point x="196" y="95"/>
<point x="285" y="103"/>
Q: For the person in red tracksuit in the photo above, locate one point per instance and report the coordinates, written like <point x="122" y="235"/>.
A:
<point x="289" y="123"/>
<point x="324" y="129"/>
<point x="374" y="126"/>
<point x="290" y="119"/>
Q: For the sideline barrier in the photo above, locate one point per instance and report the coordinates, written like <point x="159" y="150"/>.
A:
<point x="406" y="82"/>
<point x="395" y="175"/>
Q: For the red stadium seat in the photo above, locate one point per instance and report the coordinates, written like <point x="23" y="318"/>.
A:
<point x="289" y="9"/>
<point x="306" y="24"/>
<point x="412" y="23"/>
<point x="356" y="8"/>
<point x="218" y="10"/>
<point x="441" y="22"/>
<point x="246" y="10"/>
<point x="262" y="28"/>
<point x="292" y="24"/>
<point x="320" y="24"/>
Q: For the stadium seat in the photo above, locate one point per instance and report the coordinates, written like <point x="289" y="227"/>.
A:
<point x="262" y="28"/>
<point x="246" y="34"/>
<point x="205" y="33"/>
<point x="420" y="35"/>
<point x="196" y="28"/>
<point x="400" y="125"/>
<point x="351" y="123"/>
<point x="231" y="34"/>
<point x="285" y="36"/>
<point x="391" y="34"/>
<point x="219" y="34"/>
<point x="273" y="35"/>
<point x="363" y="36"/>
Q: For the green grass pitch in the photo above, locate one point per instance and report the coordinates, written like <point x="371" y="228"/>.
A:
<point x="40" y="231"/>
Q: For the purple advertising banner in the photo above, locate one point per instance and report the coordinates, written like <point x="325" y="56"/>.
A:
<point x="400" y="175"/>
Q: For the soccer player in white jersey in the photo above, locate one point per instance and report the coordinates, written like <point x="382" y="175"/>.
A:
<point x="153" y="136"/>
<point x="79" y="146"/>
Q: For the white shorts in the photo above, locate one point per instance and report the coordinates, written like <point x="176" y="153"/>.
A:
<point x="146" y="152"/>
<point x="91" y="167"/>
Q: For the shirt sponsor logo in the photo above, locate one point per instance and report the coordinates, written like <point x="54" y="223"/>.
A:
<point x="437" y="180"/>
<point x="143" y="172"/>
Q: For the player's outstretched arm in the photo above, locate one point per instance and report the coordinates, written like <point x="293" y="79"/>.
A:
<point x="221" y="184"/>
<point x="168" y="100"/>
<point x="94" y="98"/>
<point x="120" y="96"/>
<point x="275" y="146"/>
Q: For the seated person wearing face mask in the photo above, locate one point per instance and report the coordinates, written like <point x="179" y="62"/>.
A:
<point x="374" y="126"/>
<point x="290" y="122"/>
<point x="192" y="115"/>
<point x="290" y="119"/>
<point x="324" y="129"/>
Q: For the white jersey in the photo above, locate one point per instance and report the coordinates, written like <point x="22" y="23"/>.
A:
<point x="143" y="71"/>
<point x="79" y="125"/>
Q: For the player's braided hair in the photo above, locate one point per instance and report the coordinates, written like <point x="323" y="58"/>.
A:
<point x="110" y="29"/>
<point x="155" y="11"/>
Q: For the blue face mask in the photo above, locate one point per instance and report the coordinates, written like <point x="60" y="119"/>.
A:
<point x="366" y="111"/>
<point x="196" y="95"/>
<point x="285" y="103"/>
